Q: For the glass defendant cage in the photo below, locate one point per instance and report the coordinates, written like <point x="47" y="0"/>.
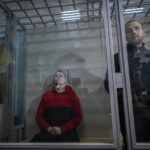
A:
<point x="39" y="37"/>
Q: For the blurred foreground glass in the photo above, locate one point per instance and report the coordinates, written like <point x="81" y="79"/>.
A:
<point x="139" y="65"/>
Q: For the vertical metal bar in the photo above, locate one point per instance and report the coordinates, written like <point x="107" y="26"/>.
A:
<point x="111" y="77"/>
<point x="10" y="72"/>
<point x="12" y="69"/>
<point x="7" y="101"/>
<point x="125" y="70"/>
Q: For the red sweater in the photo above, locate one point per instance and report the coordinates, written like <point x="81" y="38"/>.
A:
<point x="51" y="100"/>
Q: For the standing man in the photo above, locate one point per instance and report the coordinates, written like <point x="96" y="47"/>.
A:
<point x="139" y="71"/>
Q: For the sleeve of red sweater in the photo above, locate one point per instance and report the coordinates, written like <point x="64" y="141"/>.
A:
<point x="77" y="114"/>
<point x="42" y="123"/>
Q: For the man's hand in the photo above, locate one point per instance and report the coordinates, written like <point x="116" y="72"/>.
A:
<point x="57" y="130"/>
<point x="54" y="130"/>
<point x="51" y="130"/>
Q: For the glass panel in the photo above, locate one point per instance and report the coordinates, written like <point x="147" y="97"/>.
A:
<point x="19" y="102"/>
<point x="2" y="53"/>
<point x="78" y="48"/>
<point x="116" y="49"/>
<point x="138" y="46"/>
<point x="5" y="60"/>
<point x="11" y="115"/>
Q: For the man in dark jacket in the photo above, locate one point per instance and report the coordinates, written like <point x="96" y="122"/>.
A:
<point x="139" y="71"/>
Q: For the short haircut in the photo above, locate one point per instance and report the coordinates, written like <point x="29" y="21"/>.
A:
<point x="63" y="71"/>
<point x="133" y="21"/>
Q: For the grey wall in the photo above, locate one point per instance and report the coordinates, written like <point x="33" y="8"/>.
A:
<point x="80" y="50"/>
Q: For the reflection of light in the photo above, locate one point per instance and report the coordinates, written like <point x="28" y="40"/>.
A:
<point x="71" y="19"/>
<point x="67" y="12"/>
<point x="70" y="15"/>
<point x="133" y="10"/>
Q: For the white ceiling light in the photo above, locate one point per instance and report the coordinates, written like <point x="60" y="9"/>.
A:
<point x="69" y="19"/>
<point x="71" y="11"/>
<point x="70" y="15"/>
<point x="133" y="10"/>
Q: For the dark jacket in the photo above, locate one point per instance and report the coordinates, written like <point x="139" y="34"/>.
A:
<point x="139" y="71"/>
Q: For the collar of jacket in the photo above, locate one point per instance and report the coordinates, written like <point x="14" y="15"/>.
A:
<point x="68" y="89"/>
<point x="131" y="46"/>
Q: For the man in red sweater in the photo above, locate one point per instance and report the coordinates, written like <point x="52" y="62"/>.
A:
<point x="59" y="113"/>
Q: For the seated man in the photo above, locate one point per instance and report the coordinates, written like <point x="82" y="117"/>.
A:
<point x="59" y="113"/>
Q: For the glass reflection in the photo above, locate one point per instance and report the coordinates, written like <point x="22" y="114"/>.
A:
<point x="77" y="47"/>
<point x="2" y="52"/>
<point x="4" y="61"/>
<point x="81" y="52"/>
<point x="116" y="48"/>
<point x="139" y="66"/>
<point x="19" y="102"/>
<point x="59" y="112"/>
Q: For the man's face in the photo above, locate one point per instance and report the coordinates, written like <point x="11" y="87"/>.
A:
<point x="59" y="78"/>
<point x="134" y="33"/>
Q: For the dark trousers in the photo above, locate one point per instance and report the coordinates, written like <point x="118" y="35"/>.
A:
<point x="142" y="124"/>
<point x="44" y="136"/>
